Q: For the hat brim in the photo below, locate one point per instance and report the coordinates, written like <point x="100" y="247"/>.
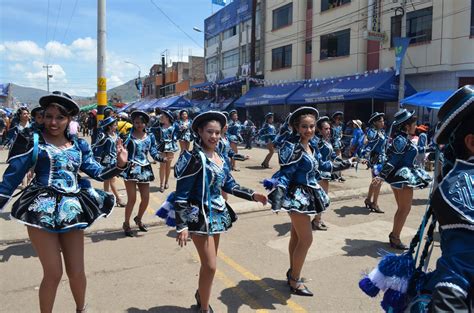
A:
<point x="303" y="111"/>
<point x="321" y="120"/>
<point x="36" y="110"/>
<point x="447" y="127"/>
<point x="376" y="116"/>
<point x="338" y="113"/>
<point x="136" y="114"/>
<point x="111" y="121"/>
<point x="405" y="118"/>
<point x="69" y="105"/>
<point x="208" y="116"/>
<point x="169" y="115"/>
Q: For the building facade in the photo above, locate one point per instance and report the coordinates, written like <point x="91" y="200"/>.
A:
<point x="227" y="36"/>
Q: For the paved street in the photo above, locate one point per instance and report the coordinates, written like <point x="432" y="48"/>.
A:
<point x="150" y="273"/>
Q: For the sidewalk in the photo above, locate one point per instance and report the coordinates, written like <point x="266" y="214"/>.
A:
<point x="251" y="175"/>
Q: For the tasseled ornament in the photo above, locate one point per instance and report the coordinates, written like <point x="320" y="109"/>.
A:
<point x="270" y="184"/>
<point x="368" y="287"/>
<point x="167" y="211"/>
<point x="394" y="301"/>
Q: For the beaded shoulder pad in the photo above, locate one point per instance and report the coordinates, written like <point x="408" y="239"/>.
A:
<point x="289" y="153"/>
<point x="188" y="164"/>
<point x="399" y="144"/>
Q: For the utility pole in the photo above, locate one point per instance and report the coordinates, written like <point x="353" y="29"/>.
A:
<point x="163" y="75"/>
<point x="101" y="58"/>
<point x="403" y="34"/>
<point x="47" y="67"/>
<point x="253" y="38"/>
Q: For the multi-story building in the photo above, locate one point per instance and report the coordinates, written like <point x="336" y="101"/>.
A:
<point x="178" y="77"/>
<point x="315" y="39"/>
<point x="227" y="36"/>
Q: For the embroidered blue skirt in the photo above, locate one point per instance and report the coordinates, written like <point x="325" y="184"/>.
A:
<point x="138" y="173"/>
<point x="305" y="200"/>
<point x="409" y="177"/>
<point x="50" y="210"/>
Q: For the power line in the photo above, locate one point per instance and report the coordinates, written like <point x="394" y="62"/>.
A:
<point x="55" y="28"/>
<point x="69" y="22"/>
<point x="176" y="25"/>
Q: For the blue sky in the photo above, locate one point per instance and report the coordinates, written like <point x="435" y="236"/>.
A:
<point x="66" y="38"/>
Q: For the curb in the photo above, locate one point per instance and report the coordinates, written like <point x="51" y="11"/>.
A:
<point x="241" y="207"/>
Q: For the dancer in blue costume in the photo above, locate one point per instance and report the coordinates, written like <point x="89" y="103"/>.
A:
<point x="139" y="172"/>
<point x="401" y="173"/>
<point x="58" y="204"/>
<point x="373" y="153"/>
<point x="336" y="139"/>
<point x="233" y="134"/>
<point x="283" y="133"/>
<point x="105" y="152"/>
<point x="184" y="132"/>
<point x="20" y="121"/>
<point x="357" y="140"/>
<point x="167" y="137"/>
<point x="201" y="211"/>
<point x="295" y="190"/>
<point x="450" y="287"/>
<point x="326" y="155"/>
<point x="267" y="134"/>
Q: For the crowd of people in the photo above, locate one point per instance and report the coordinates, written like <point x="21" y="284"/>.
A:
<point x="56" y="204"/>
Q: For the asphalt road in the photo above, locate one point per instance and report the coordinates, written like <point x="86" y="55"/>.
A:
<point x="150" y="273"/>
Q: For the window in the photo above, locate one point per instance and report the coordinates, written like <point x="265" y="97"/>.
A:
<point x="211" y="65"/>
<point x="335" y="44"/>
<point x="213" y="40"/>
<point x="231" y="58"/>
<point x="330" y="4"/>
<point x="281" y="57"/>
<point x="231" y="32"/>
<point x="309" y="47"/>
<point x="472" y="17"/>
<point x="419" y="25"/>
<point x="283" y="16"/>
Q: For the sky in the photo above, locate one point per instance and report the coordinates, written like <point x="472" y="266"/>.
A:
<point x="64" y="36"/>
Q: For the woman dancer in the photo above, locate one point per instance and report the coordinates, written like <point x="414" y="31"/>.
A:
<point x="336" y="138"/>
<point x="166" y="139"/>
<point x="58" y="205"/>
<point x="19" y="123"/>
<point x="105" y="152"/>
<point x="200" y="208"/>
<point x="297" y="192"/>
<point x="328" y="163"/>
<point x="401" y="173"/>
<point x="267" y="134"/>
<point x="139" y="172"/>
<point x="233" y="134"/>
<point x="184" y="130"/>
<point x="374" y="154"/>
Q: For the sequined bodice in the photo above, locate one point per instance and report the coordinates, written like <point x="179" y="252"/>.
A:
<point x="216" y="177"/>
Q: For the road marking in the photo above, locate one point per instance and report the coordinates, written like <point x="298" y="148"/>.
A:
<point x="236" y="289"/>
<point x="239" y="291"/>
<point x="259" y="282"/>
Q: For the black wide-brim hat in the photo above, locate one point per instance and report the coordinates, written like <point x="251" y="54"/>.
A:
<point x="458" y="107"/>
<point x="321" y="120"/>
<point x="303" y="111"/>
<point x="182" y="111"/>
<point x="402" y="116"/>
<point x="106" y="122"/>
<point x="208" y="116"/>
<point x="62" y="99"/>
<point x="269" y="114"/>
<point x="232" y="112"/>
<point x="375" y="116"/>
<point x="169" y="115"/>
<point x="36" y="109"/>
<point x="142" y="114"/>
<point x="337" y="113"/>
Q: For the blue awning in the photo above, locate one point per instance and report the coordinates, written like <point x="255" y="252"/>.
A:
<point x="203" y="85"/>
<point x="229" y="80"/>
<point x="269" y="95"/>
<point x="138" y="104"/>
<point x="173" y="103"/>
<point x="378" y="86"/>
<point x="429" y="99"/>
<point x="148" y="105"/>
<point x="180" y="103"/>
<point x="125" y="107"/>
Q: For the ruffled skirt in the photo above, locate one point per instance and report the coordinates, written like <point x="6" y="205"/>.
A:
<point x="409" y="177"/>
<point x="235" y="138"/>
<point x="48" y="209"/>
<point x="305" y="200"/>
<point x="199" y="221"/>
<point x="186" y="136"/>
<point x="168" y="146"/>
<point x="139" y="173"/>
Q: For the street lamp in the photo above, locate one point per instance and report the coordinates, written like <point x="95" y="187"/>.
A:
<point x="138" y="81"/>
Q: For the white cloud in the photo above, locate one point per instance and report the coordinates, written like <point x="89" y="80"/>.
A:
<point x="55" y="49"/>
<point x="22" y="50"/>
<point x="85" y="48"/>
<point x="114" y="81"/>
<point x="17" y="67"/>
<point x="2" y="48"/>
<point x="37" y="77"/>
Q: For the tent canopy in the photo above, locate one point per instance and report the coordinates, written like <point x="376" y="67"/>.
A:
<point x="268" y="95"/>
<point x="379" y="86"/>
<point x="428" y="98"/>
